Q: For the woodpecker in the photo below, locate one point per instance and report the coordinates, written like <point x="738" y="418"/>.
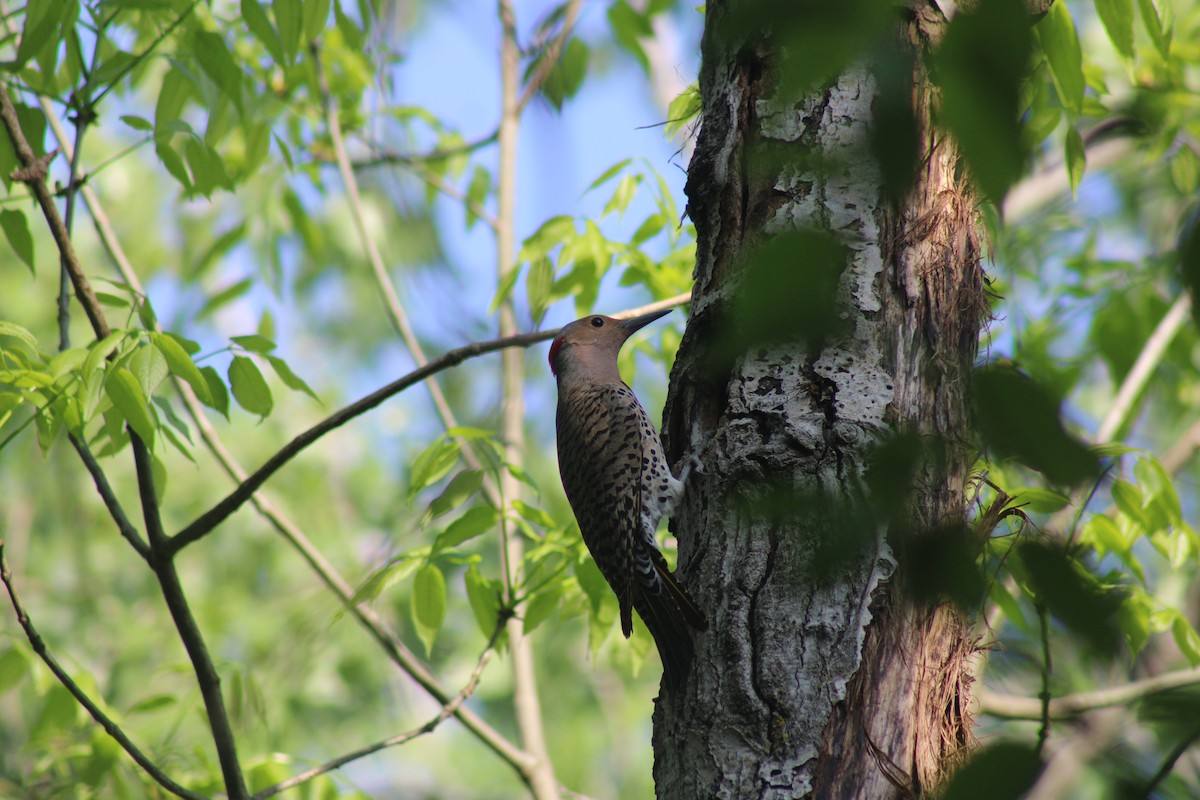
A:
<point x="619" y="484"/>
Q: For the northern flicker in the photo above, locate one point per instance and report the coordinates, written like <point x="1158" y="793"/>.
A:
<point x="619" y="483"/>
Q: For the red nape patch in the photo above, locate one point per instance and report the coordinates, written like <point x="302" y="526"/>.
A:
<point x="554" y="348"/>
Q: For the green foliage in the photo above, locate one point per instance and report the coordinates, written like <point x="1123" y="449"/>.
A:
<point x="205" y="137"/>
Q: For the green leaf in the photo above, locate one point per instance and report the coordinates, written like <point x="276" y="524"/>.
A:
<point x="249" y="388"/>
<point x="1185" y="170"/>
<point x="289" y="22"/>
<point x="457" y="492"/>
<point x="980" y="66"/>
<point x="1076" y="157"/>
<point x="484" y="596"/>
<point x="14" y="665"/>
<point x="152" y="703"/>
<point x="316" y="14"/>
<point x="254" y="343"/>
<point x="650" y="228"/>
<point x="289" y="378"/>
<point x="150" y="368"/>
<point x="476" y="520"/>
<point x="1073" y="595"/>
<point x="1018" y="417"/>
<point x="16" y="230"/>
<point x="41" y="23"/>
<point x="182" y="366"/>
<point x="217" y="62"/>
<point x="629" y="27"/>
<point x="683" y="109"/>
<point x="1186" y="639"/>
<point x="432" y="465"/>
<point x="217" y="390"/>
<point x="538" y="283"/>
<point x="1039" y="500"/>
<point x="541" y="606"/>
<point x="505" y="288"/>
<point x="566" y="74"/>
<point x="17" y="332"/>
<point x="477" y="194"/>
<point x="429" y="604"/>
<point x="224" y="297"/>
<point x="1004" y="771"/>
<point x="1159" y="34"/>
<point x="59" y="713"/>
<point x="256" y="20"/>
<point x="1060" y="42"/>
<point x="605" y="176"/>
<point x="127" y="397"/>
<point x="622" y="195"/>
<point x="1117" y="16"/>
<point x="1128" y="499"/>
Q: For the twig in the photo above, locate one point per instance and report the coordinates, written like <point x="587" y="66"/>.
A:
<point x="1169" y="762"/>
<point x="150" y="48"/>
<point x="1044" y="695"/>
<point x="189" y="632"/>
<point x="391" y="301"/>
<point x="444" y="714"/>
<point x="111" y="502"/>
<point x="512" y="415"/>
<point x="362" y="613"/>
<point x="33" y="173"/>
<point x="1003" y="706"/>
<point x="443" y="186"/>
<point x="388" y="159"/>
<point x="1143" y="368"/>
<point x="111" y="728"/>
<point x="234" y="500"/>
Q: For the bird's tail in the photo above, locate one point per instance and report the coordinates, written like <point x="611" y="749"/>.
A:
<point x="670" y="615"/>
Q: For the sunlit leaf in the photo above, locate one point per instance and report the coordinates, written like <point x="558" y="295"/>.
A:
<point x="249" y="388"/>
<point x="429" y="604"/>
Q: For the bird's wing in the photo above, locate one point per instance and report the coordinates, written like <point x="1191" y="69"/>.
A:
<point x="601" y="463"/>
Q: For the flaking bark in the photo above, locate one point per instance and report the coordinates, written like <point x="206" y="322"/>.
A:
<point x="817" y="676"/>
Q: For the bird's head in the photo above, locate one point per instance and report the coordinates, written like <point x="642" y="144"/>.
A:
<point x="591" y="344"/>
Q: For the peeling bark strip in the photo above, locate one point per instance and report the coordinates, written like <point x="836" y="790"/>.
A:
<point x="817" y="677"/>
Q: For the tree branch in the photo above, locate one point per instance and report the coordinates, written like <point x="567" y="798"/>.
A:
<point x="33" y="173"/>
<point x="110" y="727"/>
<point x="111" y="502"/>
<point x="1004" y="706"/>
<point x="189" y="632"/>
<point x="234" y="500"/>
<point x="391" y="301"/>
<point x="448" y="710"/>
<point x="526" y="704"/>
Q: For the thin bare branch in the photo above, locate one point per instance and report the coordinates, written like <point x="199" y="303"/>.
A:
<point x="444" y="714"/>
<point x="127" y="529"/>
<point x="111" y="728"/>
<point x="362" y="613"/>
<point x="512" y="414"/>
<point x="391" y="301"/>
<point x="385" y="159"/>
<point x="33" y="173"/>
<point x="1004" y="706"/>
<point x="234" y="500"/>
<point x="1147" y="361"/>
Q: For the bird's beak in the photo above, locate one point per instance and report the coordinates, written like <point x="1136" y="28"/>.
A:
<point x="637" y="323"/>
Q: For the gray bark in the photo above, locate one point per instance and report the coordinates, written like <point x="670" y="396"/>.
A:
<point x="818" y="676"/>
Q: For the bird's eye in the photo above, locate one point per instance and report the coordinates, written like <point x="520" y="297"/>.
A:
<point x="597" y="322"/>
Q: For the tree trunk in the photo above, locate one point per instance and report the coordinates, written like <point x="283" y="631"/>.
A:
<point x="819" y="675"/>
